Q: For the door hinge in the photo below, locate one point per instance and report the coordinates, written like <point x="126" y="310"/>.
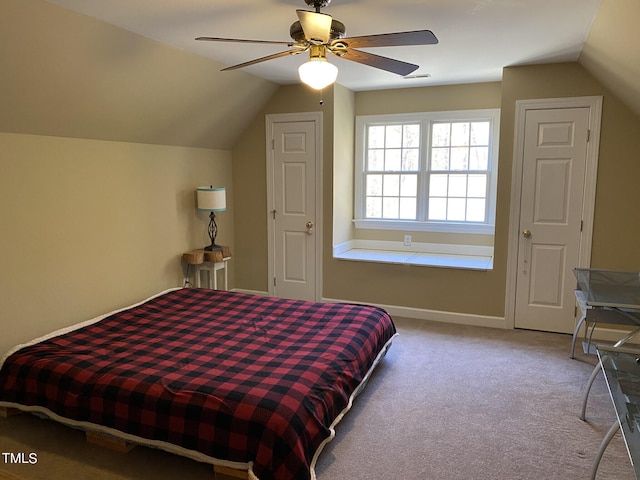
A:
<point x="273" y="212"/>
<point x="581" y="224"/>
<point x="273" y="144"/>
<point x="588" y="135"/>
<point x="274" y="281"/>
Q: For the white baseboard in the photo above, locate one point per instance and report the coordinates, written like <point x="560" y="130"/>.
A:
<point x="252" y="292"/>
<point x="609" y="335"/>
<point x="418" y="313"/>
<point x="438" y="316"/>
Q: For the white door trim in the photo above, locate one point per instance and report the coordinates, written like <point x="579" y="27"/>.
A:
<point x="271" y="119"/>
<point x="589" y="195"/>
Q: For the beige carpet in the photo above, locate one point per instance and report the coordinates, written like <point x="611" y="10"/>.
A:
<point x="448" y="402"/>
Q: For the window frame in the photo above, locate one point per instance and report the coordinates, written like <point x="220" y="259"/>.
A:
<point x="426" y="119"/>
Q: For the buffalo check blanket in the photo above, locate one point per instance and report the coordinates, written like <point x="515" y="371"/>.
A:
<point x="237" y="378"/>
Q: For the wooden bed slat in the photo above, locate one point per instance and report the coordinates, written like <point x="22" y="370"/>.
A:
<point x="226" y="473"/>
<point x="112" y="443"/>
<point x="6" y="412"/>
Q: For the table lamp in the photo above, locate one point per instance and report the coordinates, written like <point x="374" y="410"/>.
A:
<point x="212" y="199"/>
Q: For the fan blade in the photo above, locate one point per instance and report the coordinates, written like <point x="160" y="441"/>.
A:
<point x="263" y="59"/>
<point x="383" y="63"/>
<point x="399" y="39"/>
<point x="237" y="40"/>
<point x="316" y="26"/>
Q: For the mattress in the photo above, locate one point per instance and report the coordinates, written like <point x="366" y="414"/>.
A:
<point x="239" y="380"/>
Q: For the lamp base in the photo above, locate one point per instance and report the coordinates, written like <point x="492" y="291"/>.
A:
<point x="213" y="248"/>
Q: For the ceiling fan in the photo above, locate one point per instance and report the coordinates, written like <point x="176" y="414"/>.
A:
<point x="318" y="33"/>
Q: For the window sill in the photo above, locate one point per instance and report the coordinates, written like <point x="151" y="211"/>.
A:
<point x="469" y="257"/>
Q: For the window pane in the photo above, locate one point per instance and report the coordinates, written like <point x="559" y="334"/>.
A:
<point x="438" y="185"/>
<point x="411" y="136"/>
<point x="390" y="207"/>
<point x="394" y="136"/>
<point x="392" y="160"/>
<point x="456" y="209"/>
<point x="374" y="207"/>
<point x="480" y="133"/>
<point x="391" y="186"/>
<point x="375" y="161"/>
<point x="376" y="137"/>
<point x="457" y="185"/>
<point x="477" y="186"/>
<point x="410" y="160"/>
<point x="408" y="208"/>
<point x="438" y="209"/>
<point x="439" y="159"/>
<point x="459" y="158"/>
<point x="409" y="185"/>
<point x="478" y="158"/>
<point x="475" y="210"/>
<point x="459" y="134"/>
<point x="440" y="134"/>
<point x="452" y="181"/>
<point x="374" y="185"/>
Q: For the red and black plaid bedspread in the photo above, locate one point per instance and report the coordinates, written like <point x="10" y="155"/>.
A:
<point x="234" y="376"/>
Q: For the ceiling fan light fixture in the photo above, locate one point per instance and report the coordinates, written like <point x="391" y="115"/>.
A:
<point x="318" y="73"/>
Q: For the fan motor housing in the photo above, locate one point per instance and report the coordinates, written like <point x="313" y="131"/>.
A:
<point x="337" y="31"/>
<point x="317" y="3"/>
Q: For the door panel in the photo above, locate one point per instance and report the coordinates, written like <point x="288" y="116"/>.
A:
<point x="293" y="265"/>
<point x="551" y="192"/>
<point x="294" y="206"/>
<point x="547" y="275"/>
<point x="554" y="162"/>
<point x="294" y="195"/>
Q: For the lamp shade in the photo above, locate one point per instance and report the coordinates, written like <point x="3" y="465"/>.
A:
<point x="212" y="199"/>
<point x="318" y="73"/>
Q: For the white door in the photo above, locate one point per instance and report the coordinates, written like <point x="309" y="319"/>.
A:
<point x="553" y="179"/>
<point x="294" y="212"/>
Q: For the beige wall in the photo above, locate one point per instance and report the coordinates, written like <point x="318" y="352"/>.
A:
<point x="96" y="201"/>
<point x="250" y="184"/>
<point x="89" y="226"/>
<point x="616" y="224"/>
<point x="343" y="156"/>
<point x="96" y="205"/>
<point x="432" y="99"/>
<point x="410" y="286"/>
<point x="617" y="221"/>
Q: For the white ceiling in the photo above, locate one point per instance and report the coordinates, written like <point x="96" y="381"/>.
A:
<point x="477" y="38"/>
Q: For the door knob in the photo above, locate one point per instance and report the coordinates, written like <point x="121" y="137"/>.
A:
<point x="526" y="233"/>
<point x="309" y="226"/>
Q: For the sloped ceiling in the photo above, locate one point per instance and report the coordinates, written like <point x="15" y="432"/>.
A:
<point x="68" y="75"/>
<point x="612" y="50"/>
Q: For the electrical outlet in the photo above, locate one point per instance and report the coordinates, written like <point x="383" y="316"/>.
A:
<point x="407" y="240"/>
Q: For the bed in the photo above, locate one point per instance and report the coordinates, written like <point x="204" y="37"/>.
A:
<point x="242" y="381"/>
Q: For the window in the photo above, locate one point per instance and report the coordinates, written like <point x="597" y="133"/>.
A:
<point x="429" y="171"/>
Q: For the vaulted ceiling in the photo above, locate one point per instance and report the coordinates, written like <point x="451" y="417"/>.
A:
<point x="477" y="38"/>
<point x="73" y="69"/>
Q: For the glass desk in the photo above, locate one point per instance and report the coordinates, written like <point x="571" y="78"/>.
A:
<point x="606" y="296"/>
<point x="621" y="367"/>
